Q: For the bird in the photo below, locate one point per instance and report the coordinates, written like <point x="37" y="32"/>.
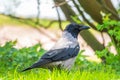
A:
<point x="64" y="52"/>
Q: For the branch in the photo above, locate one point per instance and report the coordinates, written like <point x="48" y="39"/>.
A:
<point x="83" y="16"/>
<point x="109" y="10"/>
<point x="60" y="4"/>
<point x="103" y="38"/>
<point x="38" y="13"/>
<point x="59" y="19"/>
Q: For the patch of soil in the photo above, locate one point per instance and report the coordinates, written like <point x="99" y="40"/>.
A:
<point x="27" y="36"/>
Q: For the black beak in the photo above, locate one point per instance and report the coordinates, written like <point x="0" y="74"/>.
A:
<point x="84" y="27"/>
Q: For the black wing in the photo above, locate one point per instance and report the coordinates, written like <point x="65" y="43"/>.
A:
<point x="62" y="54"/>
<point x="56" y="55"/>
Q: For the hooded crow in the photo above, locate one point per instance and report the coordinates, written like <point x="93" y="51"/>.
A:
<point x="64" y="52"/>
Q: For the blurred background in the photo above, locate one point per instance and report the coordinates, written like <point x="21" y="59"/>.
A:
<point x="42" y="21"/>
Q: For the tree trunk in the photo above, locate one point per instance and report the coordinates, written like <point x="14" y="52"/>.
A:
<point x="110" y="5"/>
<point x="86" y="35"/>
<point x="68" y="12"/>
<point x="96" y="6"/>
<point x="92" y="8"/>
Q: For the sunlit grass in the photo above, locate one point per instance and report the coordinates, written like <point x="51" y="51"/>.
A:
<point x="44" y="74"/>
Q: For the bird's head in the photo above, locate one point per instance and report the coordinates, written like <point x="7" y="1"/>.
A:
<point x="73" y="27"/>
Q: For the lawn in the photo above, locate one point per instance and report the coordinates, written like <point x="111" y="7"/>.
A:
<point x="42" y="74"/>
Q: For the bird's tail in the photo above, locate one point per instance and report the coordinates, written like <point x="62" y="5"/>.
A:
<point x="37" y="64"/>
<point x="26" y="69"/>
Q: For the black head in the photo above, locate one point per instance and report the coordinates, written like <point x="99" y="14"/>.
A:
<point x="73" y="27"/>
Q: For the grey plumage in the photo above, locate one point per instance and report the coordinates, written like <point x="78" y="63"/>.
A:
<point x="63" y="54"/>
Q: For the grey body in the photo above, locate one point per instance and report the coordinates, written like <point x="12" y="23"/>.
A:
<point x="66" y="64"/>
<point x="64" y="52"/>
<point x="70" y="48"/>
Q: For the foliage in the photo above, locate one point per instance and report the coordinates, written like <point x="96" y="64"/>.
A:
<point x="113" y="28"/>
<point x="111" y="60"/>
<point x="10" y="57"/>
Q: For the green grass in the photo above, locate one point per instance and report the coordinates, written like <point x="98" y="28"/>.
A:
<point x="44" y="74"/>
